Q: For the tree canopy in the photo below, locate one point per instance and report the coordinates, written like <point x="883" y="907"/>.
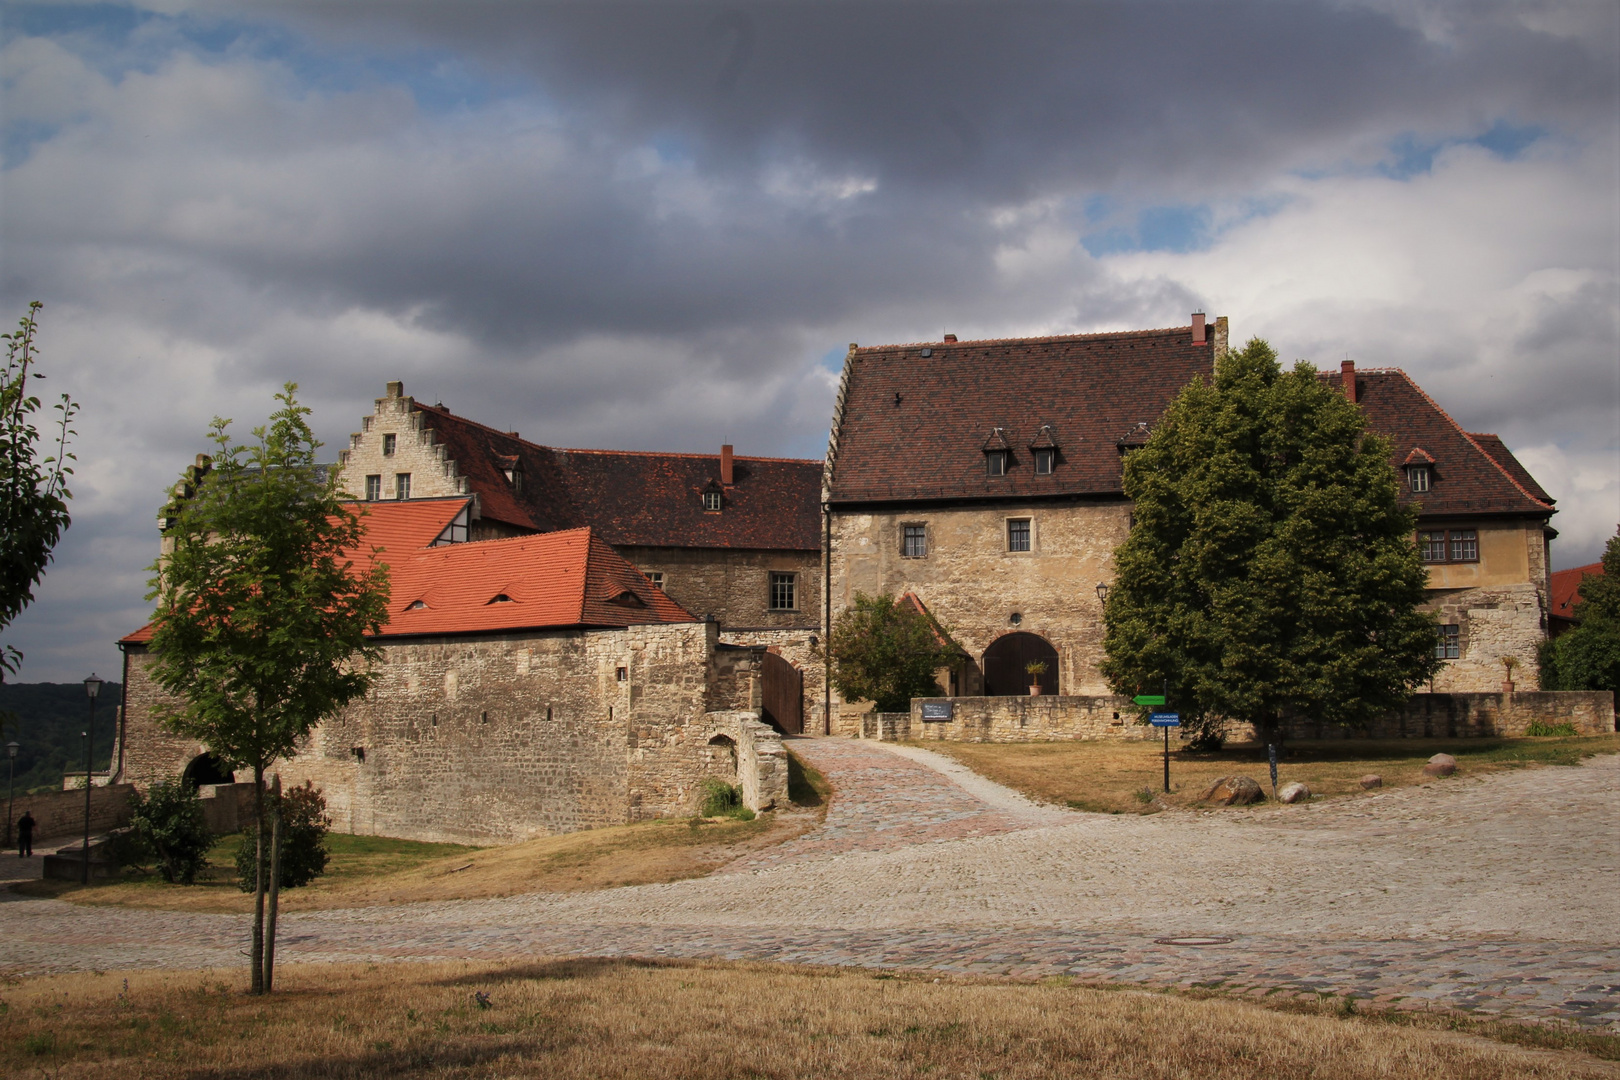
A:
<point x="885" y="651"/>
<point x="262" y="619"/>
<point x="1587" y="657"/>
<point x="1271" y="572"/>
<point x="33" y="479"/>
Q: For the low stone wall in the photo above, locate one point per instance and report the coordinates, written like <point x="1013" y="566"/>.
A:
<point x="1022" y="719"/>
<point x="762" y="771"/>
<point x="228" y="808"/>
<point x="1463" y="716"/>
<point x="60" y="815"/>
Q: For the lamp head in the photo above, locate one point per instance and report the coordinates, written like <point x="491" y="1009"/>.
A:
<point x="1102" y="591"/>
<point x="92" y="686"/>
<point x="11" y="749"/>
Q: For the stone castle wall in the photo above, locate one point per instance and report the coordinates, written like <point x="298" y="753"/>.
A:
<point x="1046" y="718"/>
<point x="505" y="737"/>
<point x="59" y="815"/>
<point x="734" y="585"/>
<point x="1499" y="605"/>
<point x="975" y="586"/>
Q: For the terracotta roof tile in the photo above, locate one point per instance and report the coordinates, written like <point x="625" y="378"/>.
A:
<point x="1470" y="476"/>
<point x="1565" y="589"/>
<point x="916" y="427"/>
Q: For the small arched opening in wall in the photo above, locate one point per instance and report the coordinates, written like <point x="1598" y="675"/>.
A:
<point x="208" y="769"/>
<point x="720" y="757"/>
<point x="1007" y="660"/>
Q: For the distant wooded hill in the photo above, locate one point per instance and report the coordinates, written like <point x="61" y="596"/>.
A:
<point x="46" y="722"/>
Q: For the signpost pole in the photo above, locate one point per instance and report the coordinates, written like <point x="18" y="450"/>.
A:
<point x="1167" y="760"/>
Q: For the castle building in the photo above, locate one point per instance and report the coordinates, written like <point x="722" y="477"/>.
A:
<point x="984" y="478"/>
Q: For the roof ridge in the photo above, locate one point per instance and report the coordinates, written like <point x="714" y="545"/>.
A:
<point x="1487" y="455"/>
<point x="680" y="454"/>
<point x="1037" y="337"/>
<point x="440" y="410"/>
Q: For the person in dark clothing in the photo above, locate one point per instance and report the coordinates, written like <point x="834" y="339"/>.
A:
<point x="25" y="836"/>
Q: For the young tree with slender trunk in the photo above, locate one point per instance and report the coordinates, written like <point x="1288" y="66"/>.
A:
<point x="885" y="651"/>
<point x="33" y="488"/>
<point x="262" y="622"/>
<point x="1271" y="574"/>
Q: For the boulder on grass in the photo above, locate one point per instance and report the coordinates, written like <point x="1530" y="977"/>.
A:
<point x="1370" y="781"/>
<point x="1234" y="791"/>
<point x="1293" y="793"/>
<point x="1441" y="765"/>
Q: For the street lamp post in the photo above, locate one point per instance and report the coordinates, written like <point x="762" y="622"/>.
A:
<point x="11" y="787"/>
<point x="92" y="687"/>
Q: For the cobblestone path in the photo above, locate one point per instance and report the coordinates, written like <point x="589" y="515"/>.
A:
<point x="1495" y="895"/>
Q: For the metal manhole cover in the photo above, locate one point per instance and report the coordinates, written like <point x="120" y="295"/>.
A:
<point x="1192" y="941"/>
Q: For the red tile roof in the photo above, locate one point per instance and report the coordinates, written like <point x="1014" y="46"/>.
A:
<point x="913" y="427"/>
<point x="1471" y="475"/>
<point x="1565" y="585"/>
<point x="639" y="499"/>
<point x="570" y="578"/>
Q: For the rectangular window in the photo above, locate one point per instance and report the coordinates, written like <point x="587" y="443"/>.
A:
<point x="784" y="592"/>
<point x="1464" y="545"/>
<point x="656" y="578"/>
<point x="914" y="542"/>
<point x="711" y="500"/>
<point x="1449" y="545"/>
<point x="1018" y="534"/>
<point x="1043" y="462"/>
<point x="373" y="488"/>
<point x="1419" y="476"/>
<point x="1449" y="647"/>
<point x="402" y="485"/>
<point x="388" y="445"/>
<point x="995" y="463"/>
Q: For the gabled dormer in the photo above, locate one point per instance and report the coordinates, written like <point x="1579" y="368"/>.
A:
<point x="1419" y="468"/>
<point x="1043" y="451"/>
<point x="997" y="453"/>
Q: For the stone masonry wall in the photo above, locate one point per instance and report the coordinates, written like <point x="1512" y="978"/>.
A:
<point x="511" y="736"/>
<point x="1046" y="718"/>
<point x="734" y="586"/>
<point x="974" y="585"/>
<point x="1493" y="622"/>
<point x="60" y="814"/>
<point x="415" y="452"/>
<point x="799" y="648"/>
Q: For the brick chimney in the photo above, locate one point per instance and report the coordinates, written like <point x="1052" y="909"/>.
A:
<point x="1198" y="327"/>
<point x="725" y="464"/>
<point x="950" y="337"/>
<point x="1347" y="375"/>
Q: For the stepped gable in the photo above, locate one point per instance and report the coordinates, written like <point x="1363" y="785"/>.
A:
<point x="535" y="500"/>
<point x="1472" y="475"/>
<point x="570" y="578"/>
<point x="656" y="499"/>
<point x="915" y="427"/>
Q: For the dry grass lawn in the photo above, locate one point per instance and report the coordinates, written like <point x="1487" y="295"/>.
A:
<point x="369" y="870"/>
<point x="705" y="1020"/>
<point x="1127" y="777"/>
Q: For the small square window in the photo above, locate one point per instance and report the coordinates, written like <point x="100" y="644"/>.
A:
<point x="784" y="592"/>
<point x="657" y="579"/>
<point x="995" y="463"/>
<point x="914" y="542"/>
<point x="711" y="500"/>
<point x="402" y="485"/>
<point x="1044" y="460"/>
<point x="389" y="442"/>
<point x="373" y="488"/>
<point x="1464" y="545"/>
<point x="1018" y="534"/>
<point x="1449" y="646"/>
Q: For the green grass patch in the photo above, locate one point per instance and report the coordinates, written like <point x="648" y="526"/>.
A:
<point x="806" y="786"/>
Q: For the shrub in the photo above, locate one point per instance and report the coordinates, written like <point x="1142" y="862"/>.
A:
<point x="1538" y="728"/>
<point x="304" y="824"/>
<point x="167" y="824"/>
<point x="721" y="799"/>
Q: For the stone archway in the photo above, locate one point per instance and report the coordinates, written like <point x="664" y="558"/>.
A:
<point x="207" y="769"/>
<point x="721" y="758"/>
<point x="1005" y="660"/>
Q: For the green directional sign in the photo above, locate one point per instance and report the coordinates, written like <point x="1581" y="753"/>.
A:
<point x="1150" y="699"/>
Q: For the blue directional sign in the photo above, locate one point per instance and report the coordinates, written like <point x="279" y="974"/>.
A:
<point x="1165" y="719"/>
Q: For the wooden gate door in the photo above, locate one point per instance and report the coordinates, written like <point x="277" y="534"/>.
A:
<point x="1004" y="661"/>
<point x="782" y="695"/>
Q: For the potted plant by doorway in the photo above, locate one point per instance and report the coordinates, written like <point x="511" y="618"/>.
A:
<point x="1036" y="669"/>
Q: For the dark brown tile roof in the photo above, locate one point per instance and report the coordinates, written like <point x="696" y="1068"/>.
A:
<point x="656" y="500"/>
<point x="915" y="427"/>
<point x="1471" y="474"/>
<point x="641" y="499"/>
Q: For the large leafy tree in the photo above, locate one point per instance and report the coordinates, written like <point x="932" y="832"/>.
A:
<point x="884" y="650"/>
<point x="33" y="479"/>
<point x="1588" y="656"/>
<point x="262" y="619"/>
<point x="1271" y="573"/>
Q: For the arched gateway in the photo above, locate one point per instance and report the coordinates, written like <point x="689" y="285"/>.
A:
<point x="1005" y="664"/>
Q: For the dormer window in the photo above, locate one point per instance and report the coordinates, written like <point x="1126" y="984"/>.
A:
<point x="500" y="598"/>
<point x="416" y="605"/>
<point x="1419" y="466"/>
<point x="1418" y="477"/>
<point x="711" y="500"/>
<point x="1043" y="451"/>
<point x="389" y="442"/>
<point x="995" y="463"/>
<point x="997" y="453"/>
<point x="1043" y="462"/>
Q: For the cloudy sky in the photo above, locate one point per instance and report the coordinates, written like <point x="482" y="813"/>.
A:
<point x="658" y="225"/>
